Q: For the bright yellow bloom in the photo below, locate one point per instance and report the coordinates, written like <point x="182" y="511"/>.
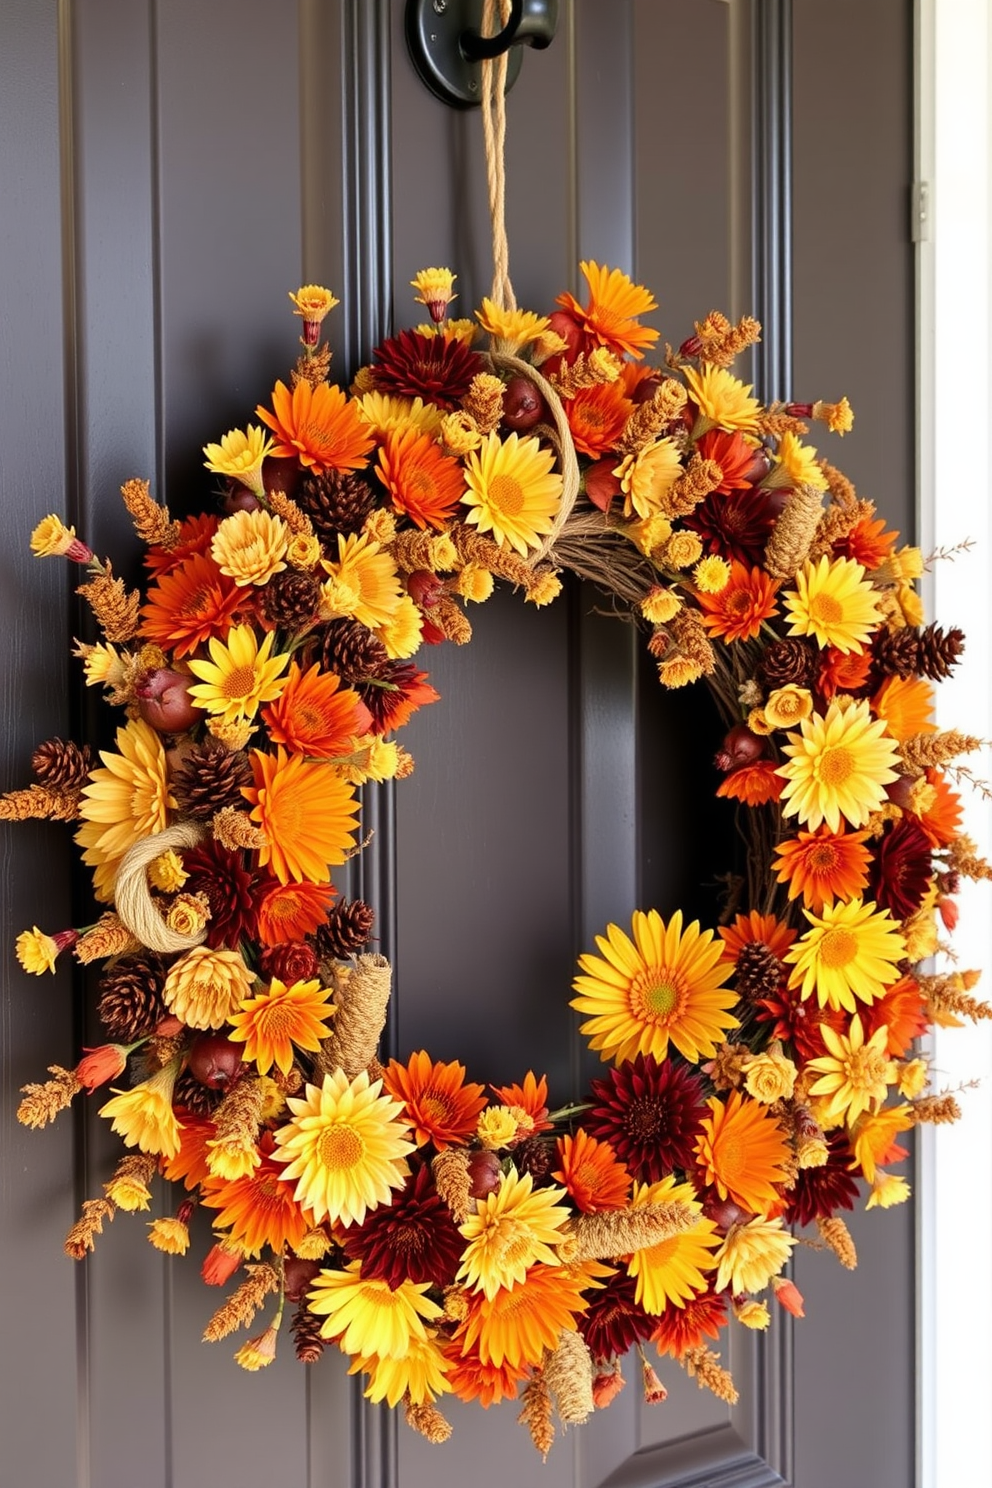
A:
<point x="873" y="1136"/>
<point x="474" y="583"/>
<point x="102" y="665"/>
<point x="258" y="1352"/>
<point x="834" y="602"/>
<point x="852" y="951"/>
<point x="240" y="455"/>
<point x="647" y="477"/>
<point x="649" y="536"/>
<point x="126" y="800"/>
<point x="664" y="985"/>
<point x="364" y="584"/>
<point x="838" y="765"/>
<point x="403" y="632"/>
<point x="795" y="464"/>
<point x="913" y="1077"/>
<point x="204" y="987"/>
<point x="787" y="706"/>
<point x="888" y="1189"/>
<point x="143" y="1117"/>
<point x="660" y="605"/>
<point x="838" y="417"/>
<point x="711" y="574"/>
<point x="272" y="1023"/>
<point x="250" y="546"/>
<point x="419" y="1375"/>
<point x="753" y="1314"/>
<point x="854" y="1076"/>
<point x="511" y="329"/>
<point x="512" y="490"/>
<point x="313" y="302"/>
<point x="752" y="1254"/>
<point x="769" y="1077"/>
<point x="367" y="1316"/>
<point x="435" y="289"/>
<point x="346" y="1147"/>
<point x="388" y="411"/>
<point x="672" y="1271"/>
<point x="511" y="1230"/>
<point x="53" y="539"/>
<point x="169" y="1235"/>
<point x="129" y="1192"/>
<point x="724" y="402"/>
<point x="36" y="951"/>
<point x="497" y="1127"/>
<point x="166" y="872"/>
<point x="240" y="676"/>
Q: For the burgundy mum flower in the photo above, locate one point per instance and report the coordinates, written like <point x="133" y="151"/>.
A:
<point x="820" y="1192"/>
<point x="434" y="368"/>
<point x="735" y="526"/>
<point x="397" y="691"/>
<point x="230" y="889"/>
<point x="900" y="874"/>
<point x="650" y="1114"/>
<point x="412" y="1239"/>
<point x="613" y="1321"/>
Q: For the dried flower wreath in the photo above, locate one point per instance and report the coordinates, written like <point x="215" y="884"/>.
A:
<point x="759" y="1075"/>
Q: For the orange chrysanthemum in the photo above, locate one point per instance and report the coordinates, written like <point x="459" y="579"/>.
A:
<point x="190" y="604"/>
<point x="824" y="866"/>
<point x="906" y="704"/>
<point x="189" y="1164"/>
<point x="746" y="600"/>
<point x="258" y="1210"/>
<point x="470" y="1379"/>
<point x="195" y="536"/>
<point x="755" y="784"/>
<point x="743" y="1151"/>
<point x="440" y="1107"/>
<point x="308" y="816"/>
<point x="321" y="427"/>
<point x="590" y="1171"/>
<point x="941" y="820"/>
<point x="281" y="1019"/>
<point x="867" y="543"/>
<point x="423" y="483"/>
<point x="902" y="1009"/>
<point x="516" y="1326"/>
<point x="610" y="318"/>
<point x="315" y="715"/>
<point x="681" y="1328"/>
<point x="763" y="929"/>
<point x="291" y="911"/>
<point x="531" y="1098"/>
<point x="842" y="672"/>
<point x="596" y="417"/>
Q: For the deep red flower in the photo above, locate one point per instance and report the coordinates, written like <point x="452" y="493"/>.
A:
<point x="601" y="485"/>
<point x="290" y="961"/>
<point x="900" y="873"/>
<point x="797" y="1022"/>
<point x="820" y="1192"/>
<point x="412" y="1239"/>
<point x="434" y="368"/>
<point x="650" y="1113"/>
<point x="230" y="889"/>
<point x="736" y="525"/>
<point x="614" y="1321"/>
<point x="396" y="693"/>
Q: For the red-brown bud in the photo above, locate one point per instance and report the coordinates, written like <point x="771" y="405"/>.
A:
<point x="214" y="1060"/>
<point x="483" y="1173"/>
<point x="424" y="588"/>
<point x="523" y="406"/>
<point x="740" y="747"/>
<point x="164" y="701"/>
<point x="290" y="961"/>
<point x="299" y="1274"/>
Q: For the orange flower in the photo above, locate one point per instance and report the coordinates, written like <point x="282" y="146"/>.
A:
<point x="749" y="928"/>
<point x="531" y="1097"/>
<point x="867" y="543"/>
<point x="258" y="1210"/>
<point x="195" y="536"/>
<point x="440" y="1107"/>
<point x="906" y="704"/>
<point x="516" y="1326"/>
<point x="422" y="482"/>
<point x="841" y="671"/>
<point x="591" y="1173"/>
<point x="190" y="1163"/>
<point x="470" y="1379"/>
<point x="189" y="604"/>
<point x="306" y="812"/>
<point x="279" y="1019"/>
<point x="596" y="417"/>
<point x="942" y="819"/>
<point x="610" y="318"/>
<point x="743" y="1151"/>
<point x="902" y="1009"/>
<point x="681" y="1328"/>
<point x="97" y="1066"/>
<point x="755" y="784"/>
<point x="315" y="715"/>
<point x="291" y="911"/>
<point x="737" y="612"/>
<point x="320" y="426"/>
<point x="824" y="866"/>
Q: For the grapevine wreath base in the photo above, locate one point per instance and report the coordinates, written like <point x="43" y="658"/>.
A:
<point x="758" y="1076"/>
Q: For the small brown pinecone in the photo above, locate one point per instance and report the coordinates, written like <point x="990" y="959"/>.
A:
<point x="759" y="972"/>
<point x="131" y="1003"/>
<point x="895" y="652"/>
<point x="210" y="778"/>
<point x="335" y="503"/>
<point x="61" y="765"/>
<point x="192" y="1096"/>
<point x="306" y="1335"/>
<point x="534" y="1156"/>
<point x="353" y="652"/>
<point x="787" y="663"/>
<point x="938" y="651"/>
<point x="346" y="929"/>
<point x="290" y="600"/>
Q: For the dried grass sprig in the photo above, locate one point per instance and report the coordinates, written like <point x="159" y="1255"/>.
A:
<point x="838" y="1237"/>
<point x="242" y="1306"/>
<point x="619" y="1232"/>
<point x="151" y="520"/>
<point x="568" y="1374"/>
<point x="117" y="609"/>
<point x="82" y="1237"/>
<point x="537" y="1414"/>
<point x="702" y="1365"/>
<point x="39" y="803"/>
<point x="427" y="1420"/>
<point x="451" y="1179"/>
<point x="790" y="543"/>
<point x="936" y="1110"/>
<point x="932" y="751"/>
<point x="43" y="1102"/>
<point x="108" y="937"/>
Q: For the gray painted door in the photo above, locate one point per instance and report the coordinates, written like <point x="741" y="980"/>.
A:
<point x="168" y="171"/>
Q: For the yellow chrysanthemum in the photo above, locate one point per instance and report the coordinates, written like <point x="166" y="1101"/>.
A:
<point x="839" y="765"/>
<point x="834" y="602"/>
<point x="852" y="950"/>
<point x="250" y="546"/>
<point x="166" y="872"/>
<point x="421" y="1375"/>
<point x="511" y="1230"/>
<point x="363" y="583"/>
<point x="126" y="799"/>
<point x="435" y="289"/>
<point x="36" y="951"/>
<point x="240" y="455"/>
<point x="647" y="477"/>
<point x="346" y="1147"/>
<point x="313" y="302"/>
<point x="367" y="1316"/>
<point x="497" y="1127"/>
<point x="279" y="1019"/>
<point x="665" y="985"/>
<point x="511" y="328"/>
<point x="787" y="706"/>
<point x="204" y="987"/>
<point x="512" y="490"/>
<point x="795" y="464"/>
<point x="387" y="411"/>
<point x="660" y="605"/>
<point x="874" y="1136"/>
<point x="854" y="1075"/>
<point x="752" y="1254"/>
<point x="143" y="1117"/>
<point x="724" y="402"/>
<point x="888" y="1189"/>
<point x="711" y="574"/>
<point x="169" y="1235"/>
<point x="240" y="676"/>
<point x="403" y="632"/>
<point x="672" y="1271"/>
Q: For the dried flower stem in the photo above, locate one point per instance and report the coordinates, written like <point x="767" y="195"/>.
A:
<point x="242" y="1305"/>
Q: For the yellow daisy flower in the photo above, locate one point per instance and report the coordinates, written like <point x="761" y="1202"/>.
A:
<point x="403" y="631"/>
<point x="888" y="1189"/>
<point x="664" y="985"/>
<point x="240" y="455"/>
<point x="511" y="1230"/>
<point x="854" y="1075"/>
<point x="241" y="675"/>
<point x="834" y="602"/>
<point x="387" y="411"/>
<point x="367" y="1316"/>
<point x="126" y="800"/>
<point x="512" y="490"/>
<point x="435" y="289"/>
<point x="873" y="1136"/>
<point x="250" y="546"/>
<point x="647" y="477"/>
<point x="36" y="951"/>
<point x="795" y="464"/>
<point x="852" y="950"/>
<point x="839" y="765"/>
<point x="363" y="583"/>
<point x="752" y="1254"/>
<point x="511" y="329"/>
<point x="672" y="1270"/>
<point x="420" y="1374"/>
<point x="143" y="1116"/>
<point x="724" y="402"/>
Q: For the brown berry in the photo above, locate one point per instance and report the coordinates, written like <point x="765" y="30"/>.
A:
<point x="214" y="1060"/>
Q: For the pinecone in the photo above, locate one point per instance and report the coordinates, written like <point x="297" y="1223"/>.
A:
<point x="61" y="765"/>
<point x="353" y="652"/>
<point x="938" y="652"/>
<point x="290" y="600"/>
<point x="194" y="1097"/>
<point x="787" y="663"/>
<point x="895" y="652"/>
<point x="759" y="972"/>
<point x="306" y="1335"/>
<point x="335" y="503"/>
<point x="131" y="1003"/>
<point x="210" y="778"/>
<point x="534" y="1156"/>
<point x="346" y="929"/>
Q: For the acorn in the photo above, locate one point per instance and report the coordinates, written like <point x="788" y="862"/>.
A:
<point x="214" y="1060"/>
<point x="164" y="701"/>
<point x="523" y="406"/>
<point x="484" y="1173"/>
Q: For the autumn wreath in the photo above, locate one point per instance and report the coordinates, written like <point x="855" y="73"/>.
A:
<point x="758" y="1076"/>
